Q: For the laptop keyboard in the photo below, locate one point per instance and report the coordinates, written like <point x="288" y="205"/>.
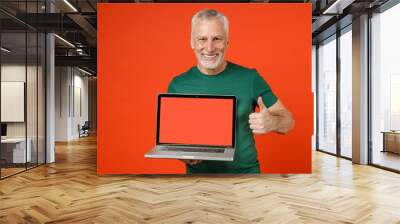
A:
<point x="189" y="149"/>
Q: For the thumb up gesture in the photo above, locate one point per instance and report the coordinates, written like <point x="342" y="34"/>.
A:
<point x="263" y="121"/>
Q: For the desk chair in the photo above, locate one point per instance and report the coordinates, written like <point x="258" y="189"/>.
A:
<point x="84" y="130"/>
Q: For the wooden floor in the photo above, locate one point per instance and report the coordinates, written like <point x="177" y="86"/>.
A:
<point x="70" y="191"/>
<point x="387" y="159"/>
<point x="5" y="172"/>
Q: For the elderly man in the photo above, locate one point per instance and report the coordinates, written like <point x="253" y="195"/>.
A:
<point x="214" y="75"/>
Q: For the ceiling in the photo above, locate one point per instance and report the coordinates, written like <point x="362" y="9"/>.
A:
<point x="76" y="22"/>
<point x="72" y="20"/>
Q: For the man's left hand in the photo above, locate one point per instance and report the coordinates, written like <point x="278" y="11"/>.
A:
<point x="263" y="121"/>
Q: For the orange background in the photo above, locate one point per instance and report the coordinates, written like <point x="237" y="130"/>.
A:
<point x="141" y="47"/>
<point x="212" y="123"/>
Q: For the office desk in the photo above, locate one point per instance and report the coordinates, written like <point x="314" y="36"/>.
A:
<point x="13" y="150"/>
<point x="391" y="141"/>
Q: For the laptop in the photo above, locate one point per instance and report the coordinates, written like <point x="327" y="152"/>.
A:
<point x="195" y="127"/>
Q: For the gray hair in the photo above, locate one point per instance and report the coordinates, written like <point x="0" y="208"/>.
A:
<point x="207" y="14"/>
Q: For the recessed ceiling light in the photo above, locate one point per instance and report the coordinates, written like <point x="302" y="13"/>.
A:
<point x="71" y="6"/>
<point x="84" y="71"/>
<point x="5" y="50"/>
<point x="64" y="40"/>
<point x="337" y="7"/>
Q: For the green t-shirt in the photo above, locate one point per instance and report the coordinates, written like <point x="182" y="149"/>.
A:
<point x="247" y="85"/>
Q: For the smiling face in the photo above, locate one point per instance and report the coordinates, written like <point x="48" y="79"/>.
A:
<point x="209" y="42"/>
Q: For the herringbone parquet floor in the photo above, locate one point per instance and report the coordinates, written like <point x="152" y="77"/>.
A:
<point x="70" y="191"/>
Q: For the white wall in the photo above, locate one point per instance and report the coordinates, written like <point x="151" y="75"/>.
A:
<point x="61" y="103"/>
<point x="16" y="73"/>
<point x="79" y="117"/>
<point x="71" y="102"/>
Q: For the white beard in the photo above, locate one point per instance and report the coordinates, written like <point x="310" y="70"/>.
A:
<point x="210" y="64"/>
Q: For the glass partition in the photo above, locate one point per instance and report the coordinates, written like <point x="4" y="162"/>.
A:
<point x="22" y="77"/>
<point x="327" y="95"/>
<point x="32" y="95"/>
<point x="14" y="154"/>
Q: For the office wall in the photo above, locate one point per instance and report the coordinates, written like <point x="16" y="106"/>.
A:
<point x="62" y="97"/>
<point x="71" y="102"/>
<point x="15" y="72"/>
<point x="81" y="104"/>
<point x="143" y="46"/>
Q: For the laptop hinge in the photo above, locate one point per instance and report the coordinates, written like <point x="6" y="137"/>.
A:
<point x="194" y="146"/>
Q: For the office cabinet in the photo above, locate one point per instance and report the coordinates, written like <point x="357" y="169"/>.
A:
<point x="391" y="141"/>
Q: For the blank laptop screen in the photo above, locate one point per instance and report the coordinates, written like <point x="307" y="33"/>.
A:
<point x="196" y="121"/>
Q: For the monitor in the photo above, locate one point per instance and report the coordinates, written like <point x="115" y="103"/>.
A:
<point x="3" y="129"/>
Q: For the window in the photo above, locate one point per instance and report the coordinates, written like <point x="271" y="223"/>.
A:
<point x="385" y="85"/>
<point x="327" y="95"/>
<point x="346" y="92"/>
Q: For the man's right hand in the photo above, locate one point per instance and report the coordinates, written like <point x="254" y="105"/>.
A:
<point x="191" y="161"/>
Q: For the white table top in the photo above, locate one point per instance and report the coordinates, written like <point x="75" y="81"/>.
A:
<point x="13" y="140"/>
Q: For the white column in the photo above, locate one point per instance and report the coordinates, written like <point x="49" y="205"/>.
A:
<point x="360" y="90"/>
<point x="50" y="100"/>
